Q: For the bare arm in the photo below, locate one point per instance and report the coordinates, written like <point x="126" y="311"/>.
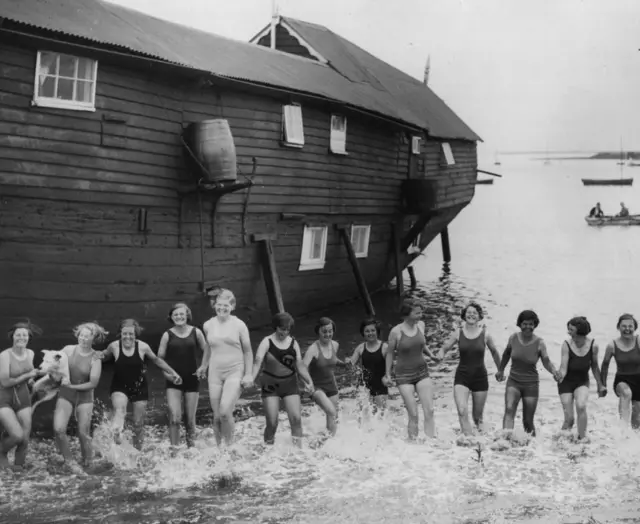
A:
<point x="339" y="362"/>
<point x="564" y="360"/>
<point x="506" y="356"/>
<point x="303" y="371"/>
<point x="595" y="368"/>
<point x="5" y="380"/>
<point x="261" y="352"/>
<point x="107" y="353"/>
<point x="94" y="377"/>
<point x="546" y="362"/>
<point x="310" y="354"/>
<point x="204" y="347"/>
<point x="357" y="354"/>
<point x="162" y="348"/>
<point x="391" y="351"/>
<point x="148" y="353"/>
<point x="450" y="343"/>
<point x="245" y="342"/>
<point x="608" y="354"/>
<point x="493" y="349"/>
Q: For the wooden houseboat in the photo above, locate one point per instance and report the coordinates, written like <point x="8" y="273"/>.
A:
<point x="344" y="164"/>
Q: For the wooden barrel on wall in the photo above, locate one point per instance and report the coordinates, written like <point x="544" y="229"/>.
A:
<point x="212" y="143"/>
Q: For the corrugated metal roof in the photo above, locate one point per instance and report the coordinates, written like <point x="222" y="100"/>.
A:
<point x="110" y="24"/>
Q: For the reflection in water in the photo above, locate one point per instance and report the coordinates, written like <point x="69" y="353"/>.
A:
<point x="508" y="256"/>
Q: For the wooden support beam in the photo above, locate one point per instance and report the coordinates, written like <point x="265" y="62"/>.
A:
<point x="412" y="277"/>
<point x="362" y="285"/>
<point x="446" y="249"/>
<point x="396" y="257"/>
<point x="415" y="230"/>
<point x="270" y="275"/>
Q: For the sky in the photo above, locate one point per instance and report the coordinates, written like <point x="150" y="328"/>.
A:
<point x="526" y="75"/>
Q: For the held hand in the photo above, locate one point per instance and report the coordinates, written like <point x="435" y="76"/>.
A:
<point x="386" y="380"/>
<point x="602" y="392"/>
<point x="98" y="355"/>
<point x="500" y="376"/>
<point x="31" y="375"/>
<point x="558" y="376"/>
<point x="310" y="388"/>
<point x="177" y="379"/>
<point x="201" y="372"/>
<point x="246" y="382"/>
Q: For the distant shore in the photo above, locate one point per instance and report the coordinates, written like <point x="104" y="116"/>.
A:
<point x="577" y="155"/>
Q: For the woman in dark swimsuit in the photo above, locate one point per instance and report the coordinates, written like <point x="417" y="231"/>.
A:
<point x="625" y="350"/>
<point x="471" y="375"/>
<point x="411" y="372"/>
<point x="129" y="382"/>
<point x="279" y="357"/>
<point x="321" y="359"/>
<point x="524" y="349"/>
<point x="579" y="355"/>
<point x="179" y="348"/>
<point x="372" y="353"/>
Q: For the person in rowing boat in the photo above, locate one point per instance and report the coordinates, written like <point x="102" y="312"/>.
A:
<point x="624" y="211"/>
<point x="596" y="211"/>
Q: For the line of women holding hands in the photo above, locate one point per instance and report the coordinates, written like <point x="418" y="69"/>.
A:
<point x="229" y="366"/>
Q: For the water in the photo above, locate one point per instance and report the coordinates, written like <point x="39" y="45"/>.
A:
<point x="522" y="243"/>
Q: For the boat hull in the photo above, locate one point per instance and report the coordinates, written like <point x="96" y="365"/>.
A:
<point x="607" y="181"/>
<point x="487" y="181"/>
<point x="631" y="220"/>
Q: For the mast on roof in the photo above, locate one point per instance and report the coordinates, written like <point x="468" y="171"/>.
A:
<point x="427" y="68"/>
<point x="274" y="22"/>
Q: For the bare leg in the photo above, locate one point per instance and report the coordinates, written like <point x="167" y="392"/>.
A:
<point x="407" y="392"/>
<point x="139" y="413"/>
<point x="174" y="405"/>
<point x="529" y="406"/>
<point x="581" y="395"/>
<point x="83" y="416"/>
<point x="61" y="417"/>
<point x="635" y="414"/>
<point x="511" y="401"/>
<point x="215" y="395"/>
<point x="190" y="408"/>
<point x="461" y="397"/>
<point x="119" y="401"/>
<point x="478" y="401"/>
<point x="624" y="405"/>
<point x="293" y="407"/>
<point x="321" y="399"/>
<point x="231" y="391"/>
<point x="380" y="402"/>
<point x="24" y="416"/>
<point x="271" y="410"/>
<point x="425" y="394"/>
<point x="566" y="399"/>
<point x="14" y="434"/>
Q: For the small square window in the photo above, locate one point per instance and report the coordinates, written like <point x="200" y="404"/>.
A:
<point x="448" y="154"/>
<point x="314" y="248"/>
<point x="338" y="139"/>
<point x="360" y="240"/>
<point x="292" y="126"/>
<point x="65" y="81"/>
<point x="415" y="144"/>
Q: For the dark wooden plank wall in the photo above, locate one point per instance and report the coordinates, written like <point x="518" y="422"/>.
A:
<point x="71" y="189"/>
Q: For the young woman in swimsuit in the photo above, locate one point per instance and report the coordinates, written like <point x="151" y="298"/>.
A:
<point x="231" y="362"/>
<point x="372" y="354"/>
<point x="84" y="374"/>
<point x="321" y="358"/>
<point x="279" y="357"/>
<point x="408" y="341"/>
<point x="179" y="348"/>
<point x="129" y="382"/>
<point x="625" y="350"/>
<point x="579" y="355"/>
<point x="471" y="379"/>
<point x="524" y="349"/>
<point x="16" y="372"/>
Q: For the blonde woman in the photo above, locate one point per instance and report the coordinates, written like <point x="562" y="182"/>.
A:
<point x="84" y="374"/>
<point x="231" y="362"/>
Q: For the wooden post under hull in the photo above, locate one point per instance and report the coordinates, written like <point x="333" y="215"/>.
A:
<point x="446" y="249"/>
<point x="396" y="257"/>
<point x="412" y="277"/>
<point x="362" y="285"/>
<point x="270" y="273"/>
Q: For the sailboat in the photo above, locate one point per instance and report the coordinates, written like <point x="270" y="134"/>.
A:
<point x="611" y="181"/>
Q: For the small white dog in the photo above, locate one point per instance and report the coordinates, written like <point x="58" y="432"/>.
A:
<point x="55" y="366"/>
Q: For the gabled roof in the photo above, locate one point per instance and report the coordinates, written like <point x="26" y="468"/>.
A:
<point x="398" y="96"/>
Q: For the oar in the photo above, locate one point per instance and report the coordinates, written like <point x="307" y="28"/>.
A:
<point x="488" y="173"/>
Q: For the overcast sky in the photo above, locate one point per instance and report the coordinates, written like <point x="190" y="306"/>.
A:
<point x="524" y="74"/>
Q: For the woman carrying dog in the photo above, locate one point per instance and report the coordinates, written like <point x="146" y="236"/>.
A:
<point x="84" y="374"/>
<point x="16" y="371"/>
<point x="129" y="383"/>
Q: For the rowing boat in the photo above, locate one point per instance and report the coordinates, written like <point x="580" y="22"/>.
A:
<point x="631" y="220"/>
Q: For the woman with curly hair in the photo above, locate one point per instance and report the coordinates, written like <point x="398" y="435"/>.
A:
<point x="84" y="374"/>
<point x="372" y="354"/>
<point x="16" y="372"/>
<point x="579" y="355"/>
<point x="471" y="378"/>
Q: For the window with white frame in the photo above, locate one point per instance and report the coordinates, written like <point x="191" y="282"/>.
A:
<point x="338" y="139"/>
<point x="314" y="248"/>
<point x="360" y="240"/>
<point x="448" y="154"/>
<point x="415" y="144"/>
<point x="292" y="126"/>
<point x="65" y="81"/>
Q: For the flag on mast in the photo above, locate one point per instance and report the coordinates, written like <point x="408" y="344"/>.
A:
<point x="427" y="68"/>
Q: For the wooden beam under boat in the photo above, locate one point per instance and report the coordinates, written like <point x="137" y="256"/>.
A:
<point x="607" y="181"/>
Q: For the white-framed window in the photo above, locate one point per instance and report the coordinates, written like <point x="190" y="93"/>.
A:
<point x="65" y="81"/>
<point x="338" y="139"/>
<point x="292" y="126"/>
<point x="314" y="248"/>
<point x="415" y="144"/>
<point x="448" y="154"/>
<point x="360" y="240"/>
